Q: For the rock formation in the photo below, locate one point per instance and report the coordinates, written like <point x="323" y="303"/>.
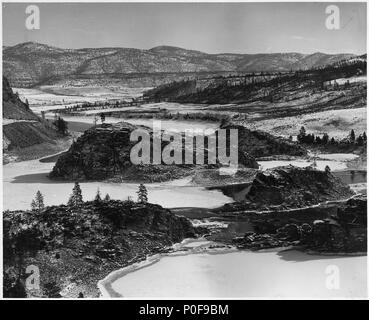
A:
<point x="262" y="144"/>
<point x="290" y="187"/>
<point x="79" y="246"/>
<point x="103" y="152"/>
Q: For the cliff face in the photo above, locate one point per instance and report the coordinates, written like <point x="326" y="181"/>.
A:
<point x="262" y="144"/>
<point x="104" y="152"/>
<point x="79" y="246"/>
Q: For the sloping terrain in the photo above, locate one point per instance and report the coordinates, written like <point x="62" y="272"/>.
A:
<point x="13" y="107"/>
<point x="261" y="144"/>
<point x="21" y="127"/>
<point x="30" y="63"/>
<point x="267" y="88"/>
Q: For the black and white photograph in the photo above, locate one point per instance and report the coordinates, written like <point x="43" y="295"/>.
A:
<point x="184" y="150"/>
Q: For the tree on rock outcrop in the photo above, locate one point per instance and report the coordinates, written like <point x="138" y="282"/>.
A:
<point x="75" y="199"/>
<point x="142" y="194"/>
<point x="37" y="204"/>
<point x="327" y="169"/>
<point x="107" y="197"/>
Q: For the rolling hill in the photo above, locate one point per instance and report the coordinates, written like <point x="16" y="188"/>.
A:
<point x="31" y="63"/>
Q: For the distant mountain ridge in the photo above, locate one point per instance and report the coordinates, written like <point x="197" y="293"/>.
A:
<point x="30" y="63"/>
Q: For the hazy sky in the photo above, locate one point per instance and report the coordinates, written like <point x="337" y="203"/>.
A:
<point x="208" y="27"/>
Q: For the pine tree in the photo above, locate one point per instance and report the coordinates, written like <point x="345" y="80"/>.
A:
<point x="327" y="169"/>
<point x="352" y="136"/>
<point x="33" y="205"/>
<point x="98" y="196"/>
<point x="38" y="203"/>
<point x="360" y="140"/>
<point x="75" y="199"/>
<point x="325" y="138"/>
<point x="142" y="194"/>
<point x="107" y="197"/>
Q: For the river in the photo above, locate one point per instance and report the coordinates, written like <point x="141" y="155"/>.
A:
<point x="236" y="274"/>
<point x="21" y="180"/>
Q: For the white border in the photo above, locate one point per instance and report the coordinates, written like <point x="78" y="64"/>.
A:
<point x="153" y="1"/>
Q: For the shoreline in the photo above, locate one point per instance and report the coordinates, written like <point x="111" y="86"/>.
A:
<point x="105" y="285"/>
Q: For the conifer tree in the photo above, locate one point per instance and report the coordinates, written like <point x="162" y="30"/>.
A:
<point x="142" y="194"/>
<point x="352" y="136"/>
<point x="76" y="199"/>
<point x="37" y="204"/>
<point x="98" y="196"/>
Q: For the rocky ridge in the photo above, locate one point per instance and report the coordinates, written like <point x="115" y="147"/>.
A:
<point x="74" y="247"/>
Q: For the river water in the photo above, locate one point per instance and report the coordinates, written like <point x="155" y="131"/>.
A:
<point x="238" y="274"/>
<point x="21" y="181"/>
